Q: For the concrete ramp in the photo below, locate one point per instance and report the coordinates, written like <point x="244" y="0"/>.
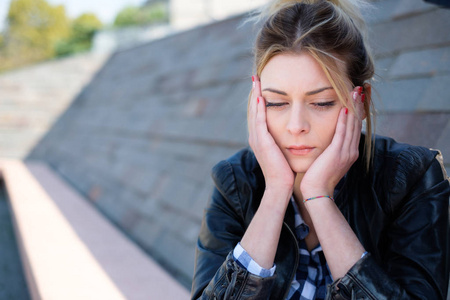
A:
<point x="69" y="250"/>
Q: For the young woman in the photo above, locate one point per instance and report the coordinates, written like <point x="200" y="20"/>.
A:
<point x="316" y="209"/>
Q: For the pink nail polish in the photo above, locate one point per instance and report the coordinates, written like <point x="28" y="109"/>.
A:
<point x="346" y="110"/>
<point x="363" y="96"/>
<point x="257" y="100"/>
<point x="253" y="78"/>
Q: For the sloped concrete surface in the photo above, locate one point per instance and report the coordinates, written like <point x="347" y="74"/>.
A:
<point x="141" y="138"/>
<point x="32" y="98"/>
<point x="69" y="250"/>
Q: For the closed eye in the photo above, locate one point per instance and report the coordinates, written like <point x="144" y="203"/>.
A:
<point x="275" y="104"/>
<point x="324" y="105"/>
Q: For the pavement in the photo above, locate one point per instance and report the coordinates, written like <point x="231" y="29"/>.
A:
<point x="139" y="139"/>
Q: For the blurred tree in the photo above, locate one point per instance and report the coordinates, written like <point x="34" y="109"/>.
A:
<point x="128" y="16"/>
<point x="33" y="28"/>
<point x="155" y="12"/>
<point x="83" y="29"/>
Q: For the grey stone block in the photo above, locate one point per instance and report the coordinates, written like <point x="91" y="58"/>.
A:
<point x="413" y="128"/>
<point x="201" y="198"/>
<point x="235" y="132"/>
<point x="179" y="192"/>
<point x="407" y="8"/>
<point x="400" y="35"/>
<point x="436" y="97"/>
<point x="443" y="143"/>
<point x="382" y="68"/>
<point x="146" y="232"/>
<point x="401" y="95"/>
<point x="175" y="252"/>
<point x="190" y="231"/>
<point x="423" y="62"/>
<point x="381" y="11"/>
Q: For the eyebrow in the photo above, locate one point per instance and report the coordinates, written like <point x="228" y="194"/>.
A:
<point x="275" y="91"/>
<point x="310" y="93"/>
<point x="318" y="91"/>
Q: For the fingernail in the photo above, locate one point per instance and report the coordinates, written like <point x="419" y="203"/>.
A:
<point x="346" y="110"/>
<point x="360" y="89"/>
<point x="363" y="96"/>
<point x="253" y="78"/>
<point x="257" y="100"/>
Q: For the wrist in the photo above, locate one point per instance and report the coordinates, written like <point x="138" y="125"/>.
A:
<point x="317" y="193"/>
<point x="278" y="191"/>
<point x="276" y="200"/>
<point x="317" y="199"/>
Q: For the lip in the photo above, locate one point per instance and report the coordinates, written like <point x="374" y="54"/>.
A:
<point x="300" y="150"/>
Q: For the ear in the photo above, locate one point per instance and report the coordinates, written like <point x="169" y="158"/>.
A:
<point x="367" y="90"/>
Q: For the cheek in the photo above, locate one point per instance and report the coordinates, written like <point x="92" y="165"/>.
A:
<point x="327" y="129"/>
<point x="274" y="126"/>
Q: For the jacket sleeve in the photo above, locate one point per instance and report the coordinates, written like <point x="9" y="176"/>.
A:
<point x="416" y="262"/>
<point x="217" y="275"/>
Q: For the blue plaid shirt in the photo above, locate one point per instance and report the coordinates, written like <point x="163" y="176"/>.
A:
<point x="313" y="274"/>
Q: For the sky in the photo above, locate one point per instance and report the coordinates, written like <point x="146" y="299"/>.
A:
<point x="105" y="10"/>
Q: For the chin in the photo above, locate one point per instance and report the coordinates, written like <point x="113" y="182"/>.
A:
<point x="300" y="167"/>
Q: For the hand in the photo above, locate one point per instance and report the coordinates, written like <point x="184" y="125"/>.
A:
<point x="277" y="172"/>
<point x="326" y="171"/>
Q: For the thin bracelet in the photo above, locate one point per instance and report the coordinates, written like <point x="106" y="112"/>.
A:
<point x="312" y="198"/>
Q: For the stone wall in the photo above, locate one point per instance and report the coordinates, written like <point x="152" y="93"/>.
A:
<point x="140" y="140"/>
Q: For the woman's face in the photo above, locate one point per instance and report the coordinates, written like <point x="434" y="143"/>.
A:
<point x="302" y="107"/>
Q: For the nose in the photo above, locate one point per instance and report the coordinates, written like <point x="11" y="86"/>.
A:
<point x="298" y="121"/>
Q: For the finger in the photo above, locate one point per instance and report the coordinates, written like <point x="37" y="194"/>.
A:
<point x="252" y="101"/>
<point x="341" y="125"/>
<point x="353" y="122"/>
<point x="359" y="104"/>
<point x="358" y="99"/>
<point x="261" y="125"/>
<point x="355" y="134"/>
<point x="349" y="130"/>
<point x="252" y="108"/>
<point x="262" y="133"/>
<point x="256" y="92"/>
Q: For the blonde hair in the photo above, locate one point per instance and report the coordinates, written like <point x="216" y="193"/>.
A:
<point x="333" y="32"/>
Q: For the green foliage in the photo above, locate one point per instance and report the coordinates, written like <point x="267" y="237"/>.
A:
<point x="33" y="28"/>
<point x="127" y="17"/>
<point x="83" y="29"/>
<point x="135" y="16"/>
<point x="37" y="31"/>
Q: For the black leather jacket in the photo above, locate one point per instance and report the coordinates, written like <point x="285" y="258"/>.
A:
<point x="399" y="210"/>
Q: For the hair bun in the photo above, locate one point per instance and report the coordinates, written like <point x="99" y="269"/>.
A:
<point x="350" y="8"/>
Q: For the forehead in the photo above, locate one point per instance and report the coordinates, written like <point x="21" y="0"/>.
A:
<point x="300" y="70"/>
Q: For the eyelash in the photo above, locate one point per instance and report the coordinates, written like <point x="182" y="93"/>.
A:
<point x="324" y="105"/>
<point x="318" y="105"/>
<point x="270" y="104"/>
